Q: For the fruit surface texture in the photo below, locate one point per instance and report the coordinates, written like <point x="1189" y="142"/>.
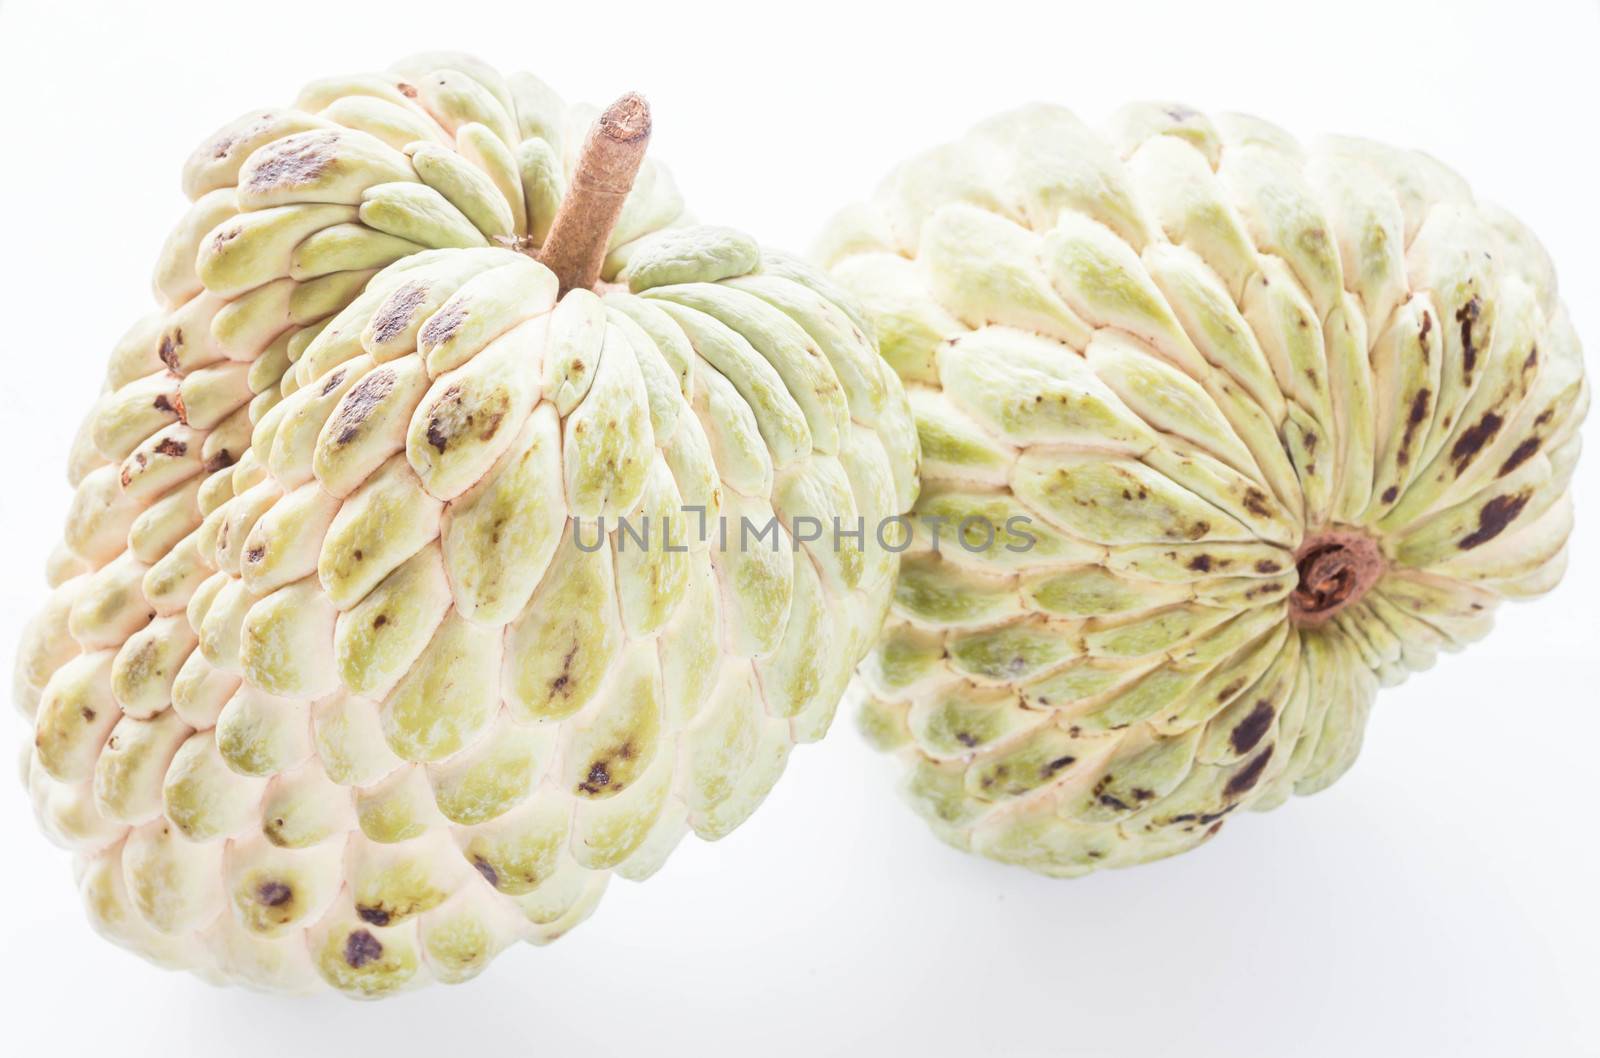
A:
<point x="1276" y="425"/>
<point x="394" y="612"/>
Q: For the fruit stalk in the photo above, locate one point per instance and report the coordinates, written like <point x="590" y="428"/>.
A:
<point x="612" y="154"/>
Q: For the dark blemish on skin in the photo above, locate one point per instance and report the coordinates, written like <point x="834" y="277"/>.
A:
<point x="1268" y="567"/>
<point x="1248" y="776"/>
<point x="1422" y="336"/>
<point x="376" y="916"/>
<point x="361" y="948"/>
<point x="219" y="460"/>
<point x="1420" y="404"/>
<point x="599" y="778"/>
<point x="255" y="554"/>
<point x="1390" y="493"/>
<point x="1472" y="440"/>
<point x="1112" y="801"/>
<point x="380" y="621"/>
<point x="274" y="894"/>
<point x="1250" y="730"/>
<point x="1466" y="316"/>
<point x="358" y="554"/>
<point x="1255" y="501"/>
<point x="357" y="405"/>
<point x="559" y="684"/>
<point x="1493" y="519"/>
<point x="1200" y="563"/>
<point x="1419" y="407"/>
<point x="395" y="312"/>
<point x="332" y="383"/>
<point x="407" y="90"/>
<point x="442" y="324"/>
<point x="967" y="738"/>
<point x="1230" y="690"/>
<point x="171" y="342"/>
<point x="87" y="714"/>
<point x="1141" y="794"/>
<point x="164" y="405"/>
<point x="294" y="160"/>
<point x="485" y="868"/>
<point x="1056" y="765"/>
<point x="1520" y="455"/>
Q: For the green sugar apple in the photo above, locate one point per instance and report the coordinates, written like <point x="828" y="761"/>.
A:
<point x="1226" y="432"/>
<point x="391" y="617"/>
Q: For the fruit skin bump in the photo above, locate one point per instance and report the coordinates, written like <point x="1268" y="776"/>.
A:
<point x="350" y="675"/>
<point x="1285" y="423"/>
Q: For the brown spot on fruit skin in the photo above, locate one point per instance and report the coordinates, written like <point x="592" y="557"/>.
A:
<point x="407" y="90"/>
<point x="1466" y="316"/>
<point x="442" y="324"/>
<point x="171" y="342"/>
<point x="967" y="738"/>
<point x="274" y="894"/>
<point x="1255" y="501"/>
<point x="1252" y="728"/>
<point x="1245" y="779"/>
<point x="358" y="404"/>
<point x="1200" y="563"/>
<point x="376" y="916"/>
<point x="598" y="779"/>
<point x="172" y="447"/>
<point x="333" y="382"/>
<point x="1268" y="567"/>
<point x="485" y="868"/>
<point x="559" y="684"/>
<point x="1056" y="765"/>
<point x="1493" y="519"/>
<point x="396" y="310"/>
<point x="1420" y="406"/>
<point x="1427" y="329"/>
<point x="294" y="161"/>
<point x="255" y="554"/>
<point x="361" y="948"/>
<point x="1391" y="493"/>
<point x="1473" y="439"/>
<point x="1520" y="455"/>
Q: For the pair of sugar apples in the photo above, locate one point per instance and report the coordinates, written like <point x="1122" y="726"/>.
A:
<point x="467" y="524"/>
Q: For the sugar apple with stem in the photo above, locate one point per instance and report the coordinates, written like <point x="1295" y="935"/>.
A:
<point x="1226" y="433"/>
<point x="397" y="607"/>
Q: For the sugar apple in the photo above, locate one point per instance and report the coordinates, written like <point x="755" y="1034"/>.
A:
<point x="1225" y="433"/>
<point x="395" y="611"/>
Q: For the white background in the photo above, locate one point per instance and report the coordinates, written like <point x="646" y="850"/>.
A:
<point x="1440" y="900"/>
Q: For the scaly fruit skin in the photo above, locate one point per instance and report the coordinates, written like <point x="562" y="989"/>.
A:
<point x="1198" y="358"/>
<point x="341" y="680"/>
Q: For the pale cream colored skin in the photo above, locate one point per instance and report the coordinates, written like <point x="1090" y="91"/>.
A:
<point x="326" y="692"/>
<point x="1182" y="347"/>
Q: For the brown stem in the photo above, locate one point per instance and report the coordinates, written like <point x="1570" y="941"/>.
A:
<point x="576" y="246"/>
<point x="1337" y="567"/>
